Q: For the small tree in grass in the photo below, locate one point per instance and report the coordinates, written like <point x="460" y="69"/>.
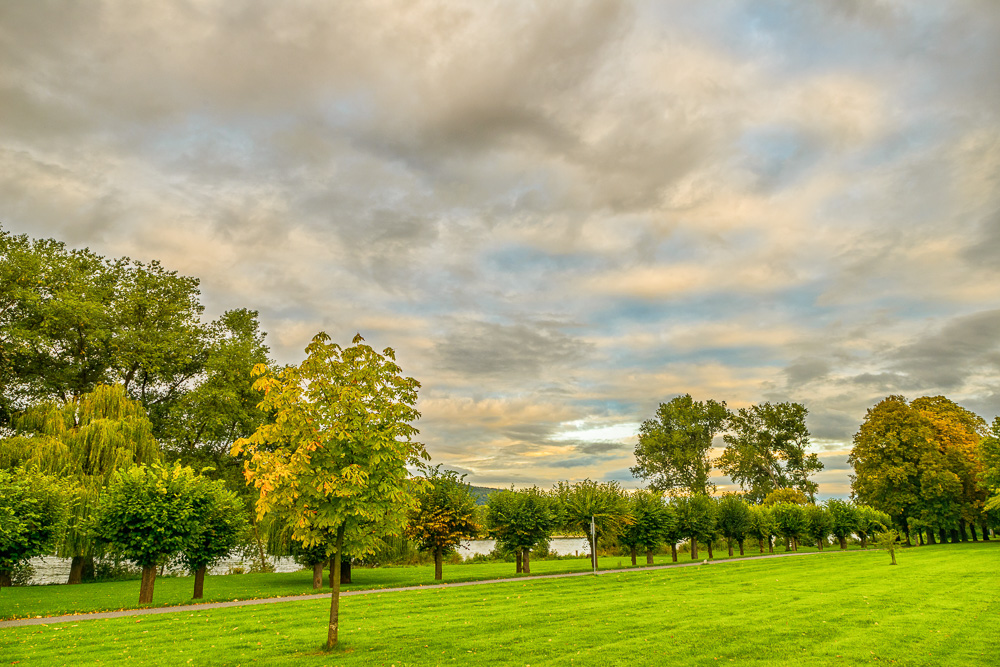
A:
<point x="32" y="514"/>
<point x="791" y="523"/>
<point x="674" y="530"/>
<point x="887" y="540"/>
<point x="734" y="520"/>
<point x="333" y="463"/>
<point x="653" y="520"/>
<point x="762" y="526"/>
<point x="521" y="520"/>
<point x="602" y="503"/>
<point x="818" y="524"/>
<point x="149" y="514"/>
<point x="696" y="516"/>
<point x="446" y="515"/>
<point x="314" y="558"/>
<point x="843" y="520"/>
<point x="221" y="522"/>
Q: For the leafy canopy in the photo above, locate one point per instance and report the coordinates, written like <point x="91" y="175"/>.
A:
<point x="446" y="513"/>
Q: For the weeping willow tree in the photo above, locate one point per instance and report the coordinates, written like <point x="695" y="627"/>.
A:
<point x="83" y="441"/>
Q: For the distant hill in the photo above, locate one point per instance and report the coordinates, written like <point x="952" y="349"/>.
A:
<point x="481" y="493"/>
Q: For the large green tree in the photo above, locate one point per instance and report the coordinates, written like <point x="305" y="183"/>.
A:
<point x="84" y="441"/>
<point x="696" y="517"/>
<point x="445" y="515"/>
<point x="899" y="468"/>
<point x="766" y="450"/>
<point x="673" y="452"/>
<point x="32" y="514"/>
<point x="653" y="520"/>
<point x="989" y="460"/>
<point x="333" y="462"/>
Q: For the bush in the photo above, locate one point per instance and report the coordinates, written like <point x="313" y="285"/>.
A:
<point x="115" y="568"/>
<point x="22" y="574"/>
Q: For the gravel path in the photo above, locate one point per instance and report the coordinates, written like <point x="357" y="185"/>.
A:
<point x="93" y="616"/>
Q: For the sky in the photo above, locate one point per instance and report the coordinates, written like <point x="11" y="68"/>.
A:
<point x="559" y="214"/>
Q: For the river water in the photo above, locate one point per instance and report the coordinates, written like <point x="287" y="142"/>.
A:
<point x="52" y="570"/>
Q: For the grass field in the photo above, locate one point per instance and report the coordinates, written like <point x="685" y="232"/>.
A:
<point x="29" y="601"/>
<point x="937" y="607"/>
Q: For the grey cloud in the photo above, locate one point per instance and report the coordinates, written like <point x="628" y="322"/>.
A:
<point x="945" y="359"/>
<point x="985" y="252"/>
<point x="490" y="350"/>
<point x="805" y="370"/>
<point x="826" y="423"/>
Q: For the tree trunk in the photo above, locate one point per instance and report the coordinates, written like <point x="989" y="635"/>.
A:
<point x="930" y="537"/>
<point x="770" y="545"/>
<point x="649" y="557"/>
<point x="146" y="587"/>
<point x="517" y="559"/>
<point x="199" y="583"/>
<point x="954" y="536"/>
<point x="317" y="576"/>
<point x="593" y="552"/>
<point x="943" y="535"/>
<point x="760" y="543"/>
<point x="920" y="538"/>
<point x="526" y="561"/>
<point x="729" y="543"/>
<point x="673" y="551"/>
<point x="741" y="548"/>
<point x="843" y="542"/>
<point x="633" y="555"/>
<point x="331" y="635"/>
<point x="76" y="570"/>
<point x="710" y="554"/>
<point x="819" y="543"/>
<point x="972" y="531"/>
<point x="345" y="571"/>
<point x="5" y="579"/>
<point x="864" y="540"/>
<point x="986" y="533"/>
<point x="788" y="544"/>
<point x="694" y="548"/>
<point x="961" y="530"/>
<point x="331" y="568"/>
<point x="438" y="564"/>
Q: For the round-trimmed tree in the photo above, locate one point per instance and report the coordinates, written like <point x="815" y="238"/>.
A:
<point x="32" y="515"/>
<point x="734" y="520"/>
<point x="221" y="521"/>
<point x="843" y="520"/>
<point x="445" y="516"/>
<point x="653" y="520"/>
<point x="521" y="520"/>
<point x="602" y="506"/>
<point x="818" y="524"/>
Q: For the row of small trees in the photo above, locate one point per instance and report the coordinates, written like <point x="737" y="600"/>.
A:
<point x="642" y="521"/>
<point x="146" y="514"/>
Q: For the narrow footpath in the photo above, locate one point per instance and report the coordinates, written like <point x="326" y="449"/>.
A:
<point x="97" y="615"/>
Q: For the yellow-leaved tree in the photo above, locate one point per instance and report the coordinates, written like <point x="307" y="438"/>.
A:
<point x="333" y="461"/>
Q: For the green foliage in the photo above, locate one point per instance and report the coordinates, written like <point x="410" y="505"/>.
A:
<point x="793" y="496"/>
<point x="520" y="520"/>
<point x="149" y="513"/>
<point x="84" y="441"/>
<point x="32" y="514"/>
<point x="221" y="524"/>
<point x="843" y="519"/>
<point x="673" y="448"/>
<point x="653" y="518"/>
<point x="989" y="459"/>
<point x="446" y="513"/>
<point x="696" y="516"/>
<point x="871" y="521"/>
<point x="733" y="518"/>
<point x="790" y="520"/>
<point x="762" y="525"/>
<point x="819" y="523"/>
<point x="765" y="450"/>
<point x="603" y="503"/>
<point x="887" y="540"/>
<point x="899" y="467"/>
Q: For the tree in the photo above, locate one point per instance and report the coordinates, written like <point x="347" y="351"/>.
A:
<point x="790" y="522"/>
<point x="602" y="505"/>
<point x="445" y="516"/>
<point x="221" y="522"/>
<point x="843" y="520"/>
<point x="898" y="467"/>
<point x="673" y="448"/>
<point x="766" y="450"/>
<point x="819" y="523"/>
<point x="793" y="496"/>
<point x="734" y="520"/>
<point x="521" y="520"/>
<point x="653" y="520"/>
<point x="989" y="458"/>
<point x="762" y="526"/>
<point x="871" y="521"/>
<point x="32" y="514"/>
<point x="83" y="441"/>
<point x="887" y="540"/>
<point x="333" y="461"/>
<point x="957" y="433"/>
<point x="147" y="514"/>
<point x="696" y="517"/>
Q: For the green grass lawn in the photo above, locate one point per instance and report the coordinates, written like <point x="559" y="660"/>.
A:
<point x="937" y="607"/>
<point x="29" y="601"/>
